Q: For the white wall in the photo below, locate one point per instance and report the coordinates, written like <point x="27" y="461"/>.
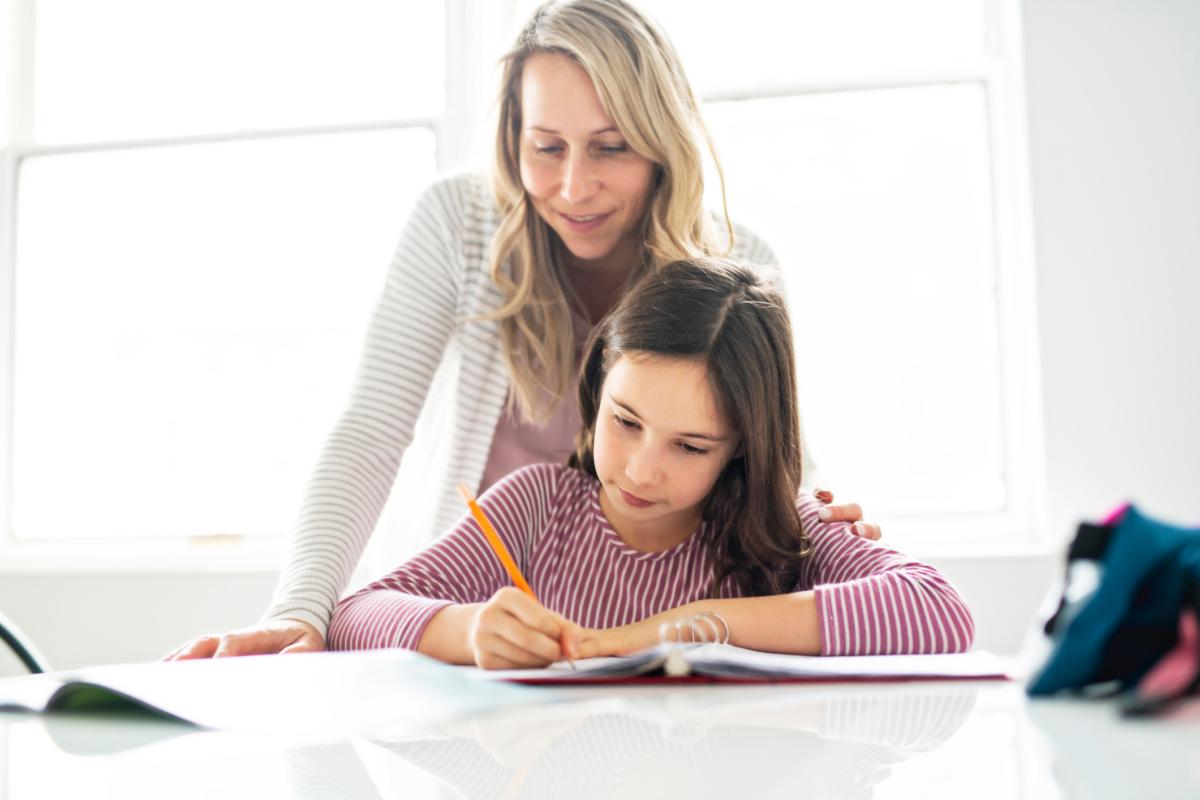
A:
<point x="1114" y="125"/>
<point x="1113" y="89"/>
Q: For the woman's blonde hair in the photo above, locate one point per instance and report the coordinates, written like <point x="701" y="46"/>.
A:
<point x="642" y="86"/>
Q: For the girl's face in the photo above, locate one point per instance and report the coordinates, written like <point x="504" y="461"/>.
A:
<point x="581" y="175"/>
<point x="659" y="447"/>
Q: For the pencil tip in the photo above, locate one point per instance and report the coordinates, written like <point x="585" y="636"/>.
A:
<point x="465" y="492"/>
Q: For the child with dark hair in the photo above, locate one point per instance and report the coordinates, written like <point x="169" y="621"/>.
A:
<point x="683" y="498"/>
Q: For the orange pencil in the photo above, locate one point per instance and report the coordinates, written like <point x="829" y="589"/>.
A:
<point x="493" y="539"/>
<point x="497" y="544"/>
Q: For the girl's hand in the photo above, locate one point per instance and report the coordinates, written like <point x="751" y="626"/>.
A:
<point x="276" y="636"/>
<point x="846" y="512"/>
<point x="621" y="641"/>
<point x="514" y="631"/>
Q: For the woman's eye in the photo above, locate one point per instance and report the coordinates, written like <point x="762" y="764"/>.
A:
<point x="627" y="424"/>
<point x="547" y="150"/>
<point x="613" y="149"/>
<point x="691" y="450"/>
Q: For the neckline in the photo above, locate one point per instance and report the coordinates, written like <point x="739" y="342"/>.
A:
<point x="614" y="540"/>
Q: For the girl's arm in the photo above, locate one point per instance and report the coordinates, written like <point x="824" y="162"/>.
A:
<point x="433" y="602"/>
<point x="866" y="600"/>
<point x="872" y="600"/>
<point x="782" y="623"/>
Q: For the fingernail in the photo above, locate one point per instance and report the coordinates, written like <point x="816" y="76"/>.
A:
<point x="859" y="530"/>
<point x="824" y="514"/>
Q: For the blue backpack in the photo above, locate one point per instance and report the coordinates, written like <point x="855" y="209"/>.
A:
<point x="1128" y="582"/>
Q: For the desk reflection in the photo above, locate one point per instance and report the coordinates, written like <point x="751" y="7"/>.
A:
<point x="699" y="742"/>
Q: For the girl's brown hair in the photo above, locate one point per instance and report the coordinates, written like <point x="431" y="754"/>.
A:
<point x="734" y="320"/>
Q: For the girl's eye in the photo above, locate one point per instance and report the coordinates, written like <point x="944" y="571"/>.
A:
<point x="613" y="149"/>
<point x="547" y="150"/>
<point x="627" y="424"/>
<point x="690" y="450"/>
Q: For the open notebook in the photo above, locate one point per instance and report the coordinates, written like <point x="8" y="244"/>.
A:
<point x="320" y="695"/>
<point x="727" y="663"/>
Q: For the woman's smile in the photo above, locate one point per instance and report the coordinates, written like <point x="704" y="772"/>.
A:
<point x="584" y="223"/>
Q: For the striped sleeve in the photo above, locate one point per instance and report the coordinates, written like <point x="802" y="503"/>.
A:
<point x="872" y="600"/>
<point x="752" y="248"/>
<point x="458" y="568"/>
<point x="405" y="343"/>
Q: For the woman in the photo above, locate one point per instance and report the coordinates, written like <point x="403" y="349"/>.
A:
<point x="597" y="178"/>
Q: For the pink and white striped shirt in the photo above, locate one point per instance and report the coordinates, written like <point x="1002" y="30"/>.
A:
<point x="870" y="599"/>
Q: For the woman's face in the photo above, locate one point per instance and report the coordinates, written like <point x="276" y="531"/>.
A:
<point x="659" y="446"/>
<point x="580" y="173"/>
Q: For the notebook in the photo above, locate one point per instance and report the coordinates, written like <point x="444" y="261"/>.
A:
<point x="712" y="662"/>
<point x="311" y="695"/>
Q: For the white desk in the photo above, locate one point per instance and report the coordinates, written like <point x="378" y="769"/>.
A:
<point x="947" y="739"/>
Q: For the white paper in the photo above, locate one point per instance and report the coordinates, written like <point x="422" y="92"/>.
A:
<point x="727" y="661"/>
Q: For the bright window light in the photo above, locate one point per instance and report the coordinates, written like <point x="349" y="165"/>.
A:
<point x="878" y="204"/>
<point x="188" y="320"/>
<point x="123" y="69"/>
<point x="763" y="43"/>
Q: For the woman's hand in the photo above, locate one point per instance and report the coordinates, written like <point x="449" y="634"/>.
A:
<point x="846" y="512"/>
<point x="276" y="636"/>
<point x="514" y="631"/>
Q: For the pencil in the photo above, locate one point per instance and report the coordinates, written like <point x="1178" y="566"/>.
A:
<point x="497" y="544"/>
<point x="493" y="538"/>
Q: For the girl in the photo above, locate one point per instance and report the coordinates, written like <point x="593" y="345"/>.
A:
<point x="496" y="283"/>
<point x="681" y="498"/>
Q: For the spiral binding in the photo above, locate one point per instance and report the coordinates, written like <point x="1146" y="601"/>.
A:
<point x="708" y="627"/>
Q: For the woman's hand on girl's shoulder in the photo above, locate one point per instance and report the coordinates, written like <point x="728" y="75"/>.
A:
<point x="846" y="512"/>
<point x="276" y="636"/>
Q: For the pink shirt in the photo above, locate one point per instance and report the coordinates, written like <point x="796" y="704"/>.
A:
<point x="870" y="599"/>
<point x="518" y="443"/>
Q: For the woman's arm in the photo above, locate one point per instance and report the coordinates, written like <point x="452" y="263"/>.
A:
<point x="405" y="343"/>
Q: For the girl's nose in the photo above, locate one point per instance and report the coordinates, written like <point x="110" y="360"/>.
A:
<point x="642" y="467"/>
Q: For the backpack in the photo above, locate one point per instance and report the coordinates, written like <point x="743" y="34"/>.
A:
<point x="1129" y="607"/>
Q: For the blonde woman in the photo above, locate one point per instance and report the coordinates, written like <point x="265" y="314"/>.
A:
<point x="597" y="179"/>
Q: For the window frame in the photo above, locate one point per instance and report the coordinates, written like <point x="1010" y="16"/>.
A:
<point x="474" y="30"/>
<point x="1020" y="527"/>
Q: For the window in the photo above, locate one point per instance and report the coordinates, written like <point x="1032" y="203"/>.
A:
<point x="877" y="147"/>
<point x="200" y="199"/>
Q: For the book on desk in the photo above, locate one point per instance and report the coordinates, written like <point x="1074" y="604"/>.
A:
<point x="724" y="663"/>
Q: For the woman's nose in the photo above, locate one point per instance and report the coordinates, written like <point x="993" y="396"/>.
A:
<point x="578" y="182"/>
